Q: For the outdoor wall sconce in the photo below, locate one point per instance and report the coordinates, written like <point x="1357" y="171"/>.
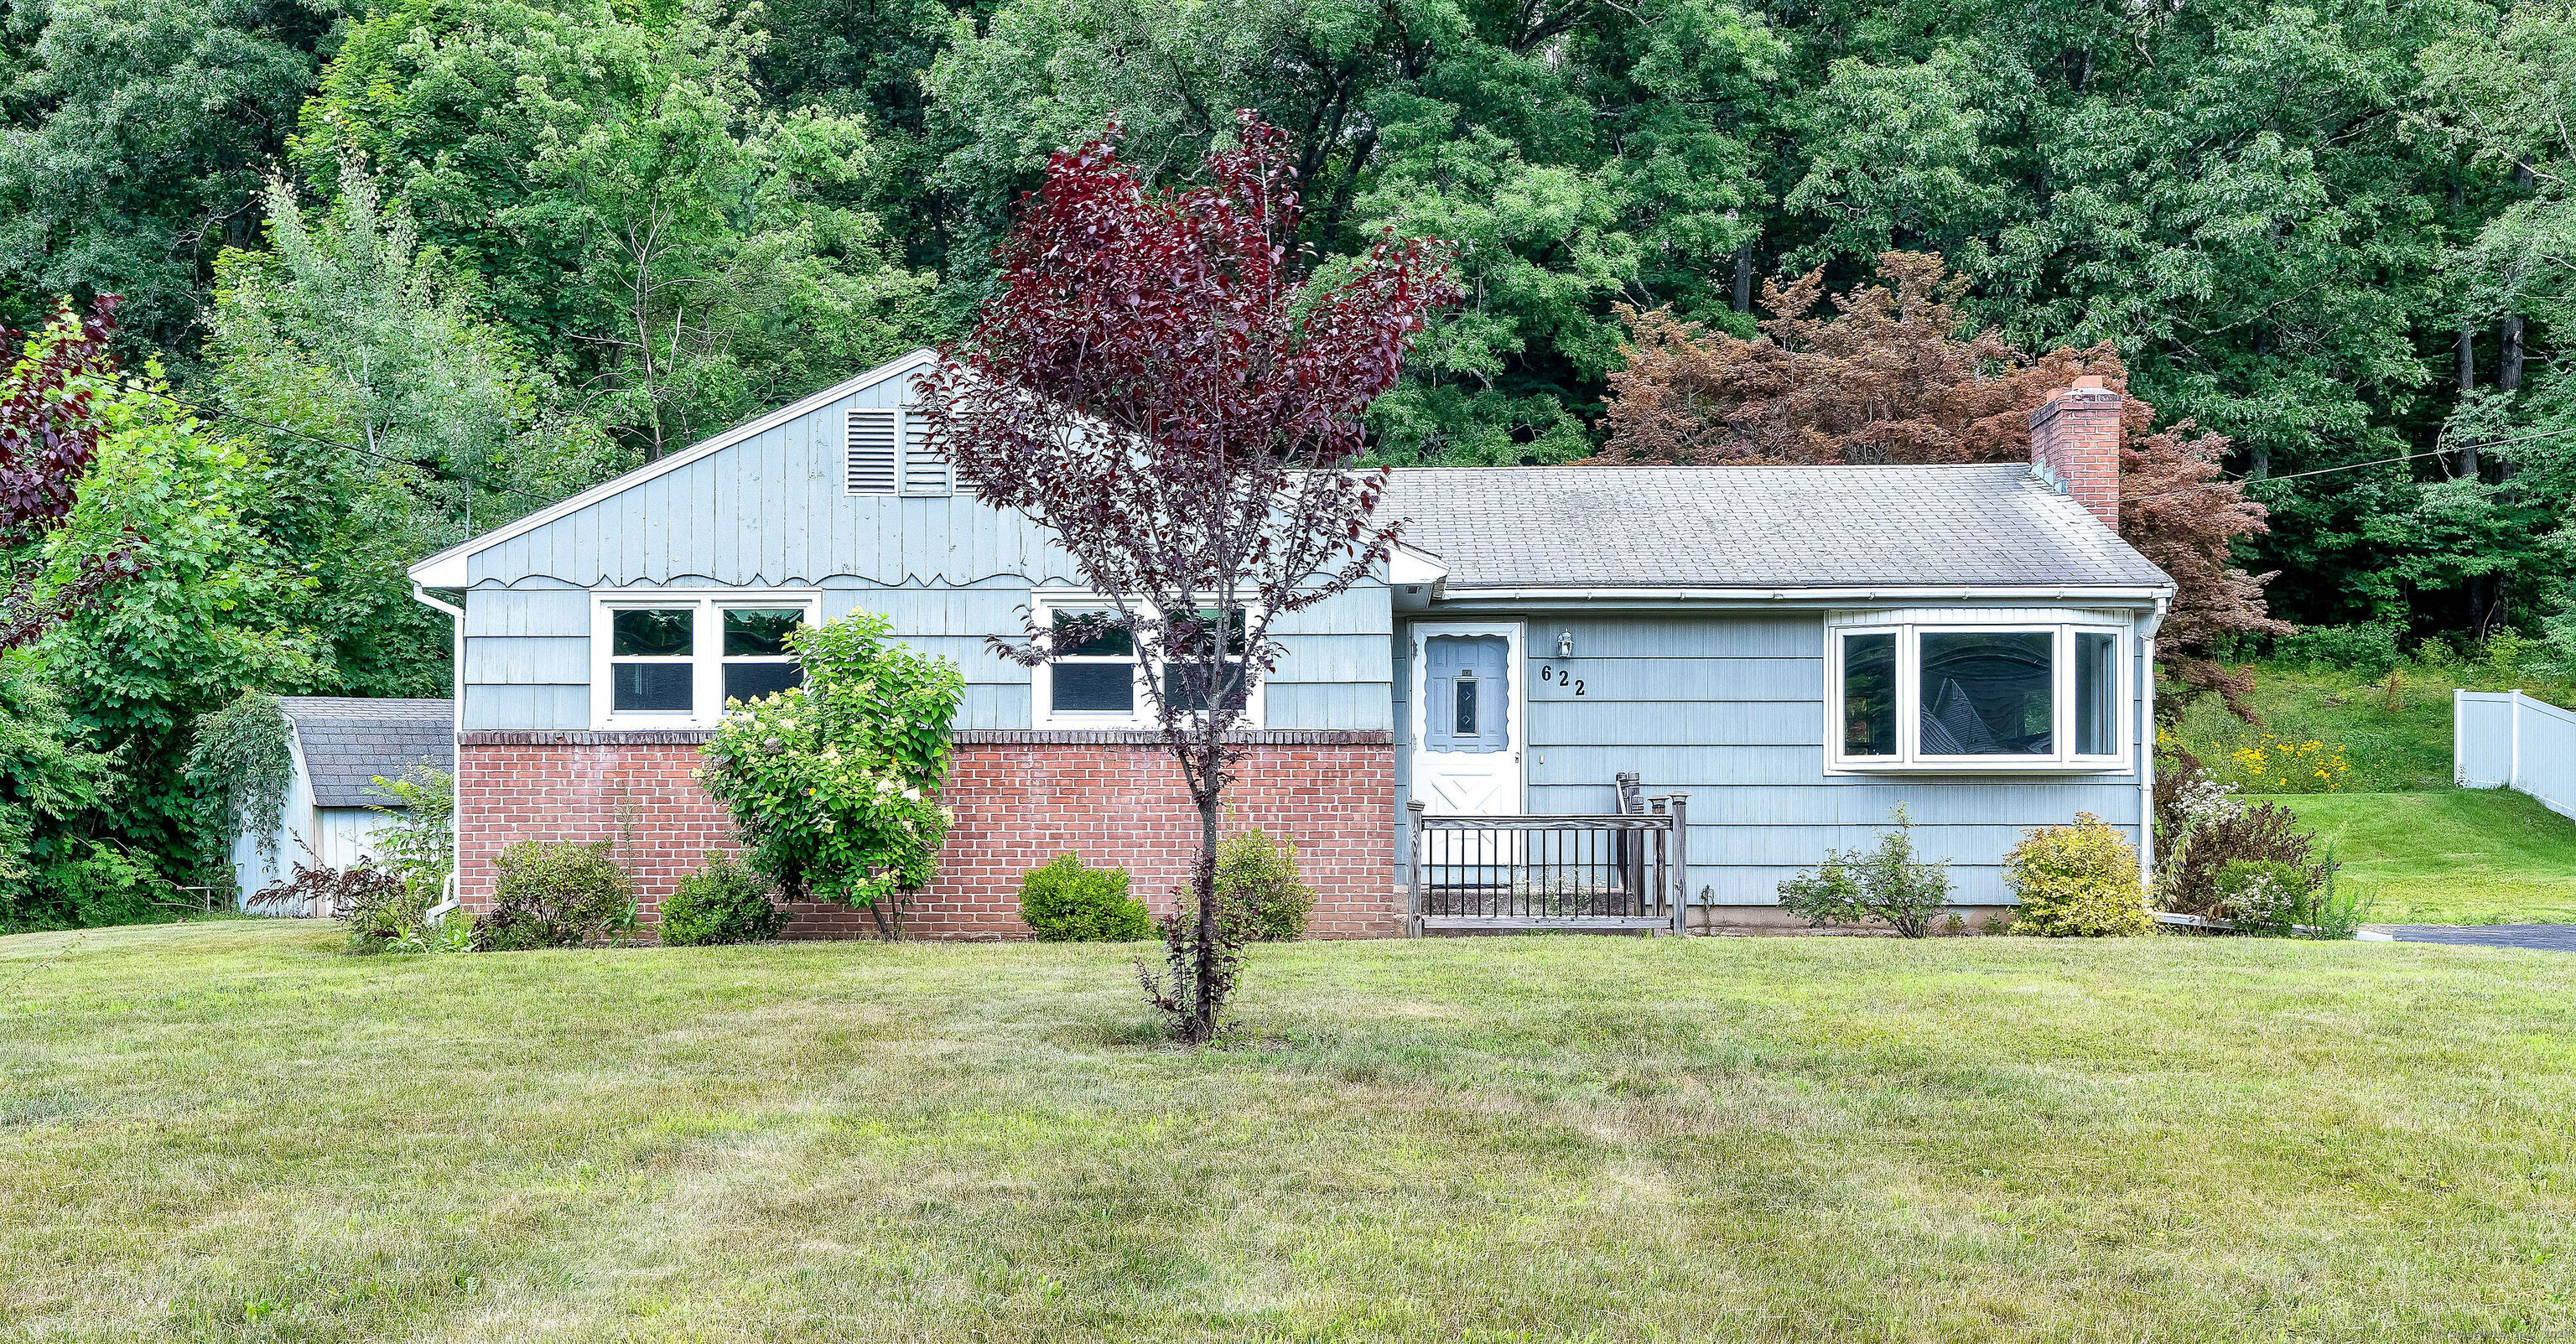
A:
<point x="1564" y="643"/>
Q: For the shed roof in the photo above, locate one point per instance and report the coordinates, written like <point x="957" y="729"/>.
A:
<point x="349" y="741"/>
<point x="1751" y="527"/>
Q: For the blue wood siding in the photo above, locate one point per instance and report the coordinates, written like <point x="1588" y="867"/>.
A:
<point x="770" y="512"/>
<point x="527" y="655"/>
<point x="527" y="652"/>
<point x="1730" y="709"/>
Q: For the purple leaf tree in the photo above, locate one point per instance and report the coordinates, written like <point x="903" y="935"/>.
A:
<point x="1163" y="383"/>
<point x="50" y="429"/>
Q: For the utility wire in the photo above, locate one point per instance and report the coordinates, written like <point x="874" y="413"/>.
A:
<point x="2436" y="451"/>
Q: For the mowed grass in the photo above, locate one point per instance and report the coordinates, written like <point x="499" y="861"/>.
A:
<point x="2458" y="856"/>
<point x="230" y="1132"/>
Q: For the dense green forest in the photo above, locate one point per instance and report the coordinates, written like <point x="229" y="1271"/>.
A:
<point x="393" y="272"/>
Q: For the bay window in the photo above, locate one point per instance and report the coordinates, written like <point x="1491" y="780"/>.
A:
<point x="673" y="658"/>
<point x="1946" y="694"/>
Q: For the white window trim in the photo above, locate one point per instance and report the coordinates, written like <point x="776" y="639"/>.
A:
<point x="1044" y="605"/>
<point x="1909" y="758"/>
<point x="706" y="658"/>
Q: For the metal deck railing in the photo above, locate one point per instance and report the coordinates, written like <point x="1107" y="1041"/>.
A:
<point x="1622" y="871"/>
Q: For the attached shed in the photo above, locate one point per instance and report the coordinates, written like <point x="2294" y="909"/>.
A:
<point x="340" y="746"/>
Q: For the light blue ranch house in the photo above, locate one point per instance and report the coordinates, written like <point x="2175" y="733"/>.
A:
<point x="1610" y="697"/>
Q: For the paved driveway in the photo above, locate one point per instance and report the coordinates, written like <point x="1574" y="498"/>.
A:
<point x="2545" y="937"/>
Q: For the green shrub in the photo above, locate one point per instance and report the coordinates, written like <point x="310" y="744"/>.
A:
<point x="1259" y="888"/>
<point x="2078" y="881"/>
<point x="418" y="842"/>
<point x="1065" y="902"/>
<point x="2204" y="826"/>
<point x="724" y="902"/>
<point x="375" y="906"/>
<point x="834" y="785"/>
<point x="101" y="884"/>
<point x="2290" y="900"/>
<point x="554" y="895"/>
<point x="2261" y="892"/>
<point x="1887" y="885"/>
<point x="2368" y="650"/>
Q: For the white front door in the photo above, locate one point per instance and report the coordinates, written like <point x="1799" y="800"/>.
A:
<point x="1467" y="718"/>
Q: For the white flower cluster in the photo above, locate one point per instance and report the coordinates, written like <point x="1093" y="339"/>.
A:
<point x="2205" y="800"/>
<point x="2263" y="899"/>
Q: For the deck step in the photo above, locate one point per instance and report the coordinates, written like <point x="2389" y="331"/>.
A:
<point x="1568" y="924"/>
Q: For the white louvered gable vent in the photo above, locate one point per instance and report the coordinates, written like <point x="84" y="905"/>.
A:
<point x="924" y="472"/>
<point x="870" y="468"/>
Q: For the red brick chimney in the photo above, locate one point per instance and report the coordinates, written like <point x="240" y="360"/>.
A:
<point x="2075" y="446"/>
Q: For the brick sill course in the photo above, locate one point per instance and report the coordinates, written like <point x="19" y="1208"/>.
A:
<point x="964" y="737"/>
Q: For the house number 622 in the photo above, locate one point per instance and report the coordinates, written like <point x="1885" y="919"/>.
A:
<point x="1561" y="677"/>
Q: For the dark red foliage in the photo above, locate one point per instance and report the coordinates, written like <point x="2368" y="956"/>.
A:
<point x="50" y="430"/>
<point x="1163" y="385"/>
<point x="340" y="893"/>
<point x="1895" y="373"/>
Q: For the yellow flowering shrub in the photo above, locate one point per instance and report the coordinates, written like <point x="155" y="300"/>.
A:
<point x="2078" y="881"/>
<point x="2275" y="764"/>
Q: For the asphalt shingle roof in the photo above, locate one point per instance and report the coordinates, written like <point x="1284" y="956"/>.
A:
<point x="348" y="742"/>
<point x="1529" y="527"/>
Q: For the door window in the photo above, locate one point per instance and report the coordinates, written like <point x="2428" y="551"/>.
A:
<point x="1467" y="693"/>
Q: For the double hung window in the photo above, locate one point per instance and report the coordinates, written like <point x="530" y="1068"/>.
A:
<point x="1096" y="678"/>
<point x="1948" y="695"/>
<point x="674" y="657"/>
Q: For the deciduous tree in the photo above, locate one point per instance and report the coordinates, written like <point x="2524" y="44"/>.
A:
<point x="1163" y="386"/>
<point x="1895" y="374"/>
<point x="50" y="429"/>
<point x="691" y="255"/>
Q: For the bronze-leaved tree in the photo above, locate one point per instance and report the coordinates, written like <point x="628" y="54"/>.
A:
<point x="1162" y="384"/>
<point x="1897" y="373"/>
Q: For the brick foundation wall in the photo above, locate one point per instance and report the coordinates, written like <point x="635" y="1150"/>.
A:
<point x="1020" y="798"/>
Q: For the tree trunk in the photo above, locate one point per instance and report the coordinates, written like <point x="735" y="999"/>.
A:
<point x="2464" y="375"/>
<point x="1744" y="277"/>
<point x="2509" y="331"/>
<point x="2465" y="381"/>
<point x="2487" y="593"/>
<point x="1204" y="997"/>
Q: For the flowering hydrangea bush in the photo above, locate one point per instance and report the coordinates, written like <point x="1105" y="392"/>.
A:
<point x="834" y="784"/>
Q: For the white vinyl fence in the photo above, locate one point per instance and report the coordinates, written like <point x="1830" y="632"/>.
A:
<point x="2507" y="740"/>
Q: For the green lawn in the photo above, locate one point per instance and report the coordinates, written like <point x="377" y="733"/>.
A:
<point x="228" y="1131"/>
<point x="2459" y="856"/>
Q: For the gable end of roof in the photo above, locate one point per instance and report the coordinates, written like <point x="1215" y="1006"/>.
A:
<point x="446" y="569"/>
